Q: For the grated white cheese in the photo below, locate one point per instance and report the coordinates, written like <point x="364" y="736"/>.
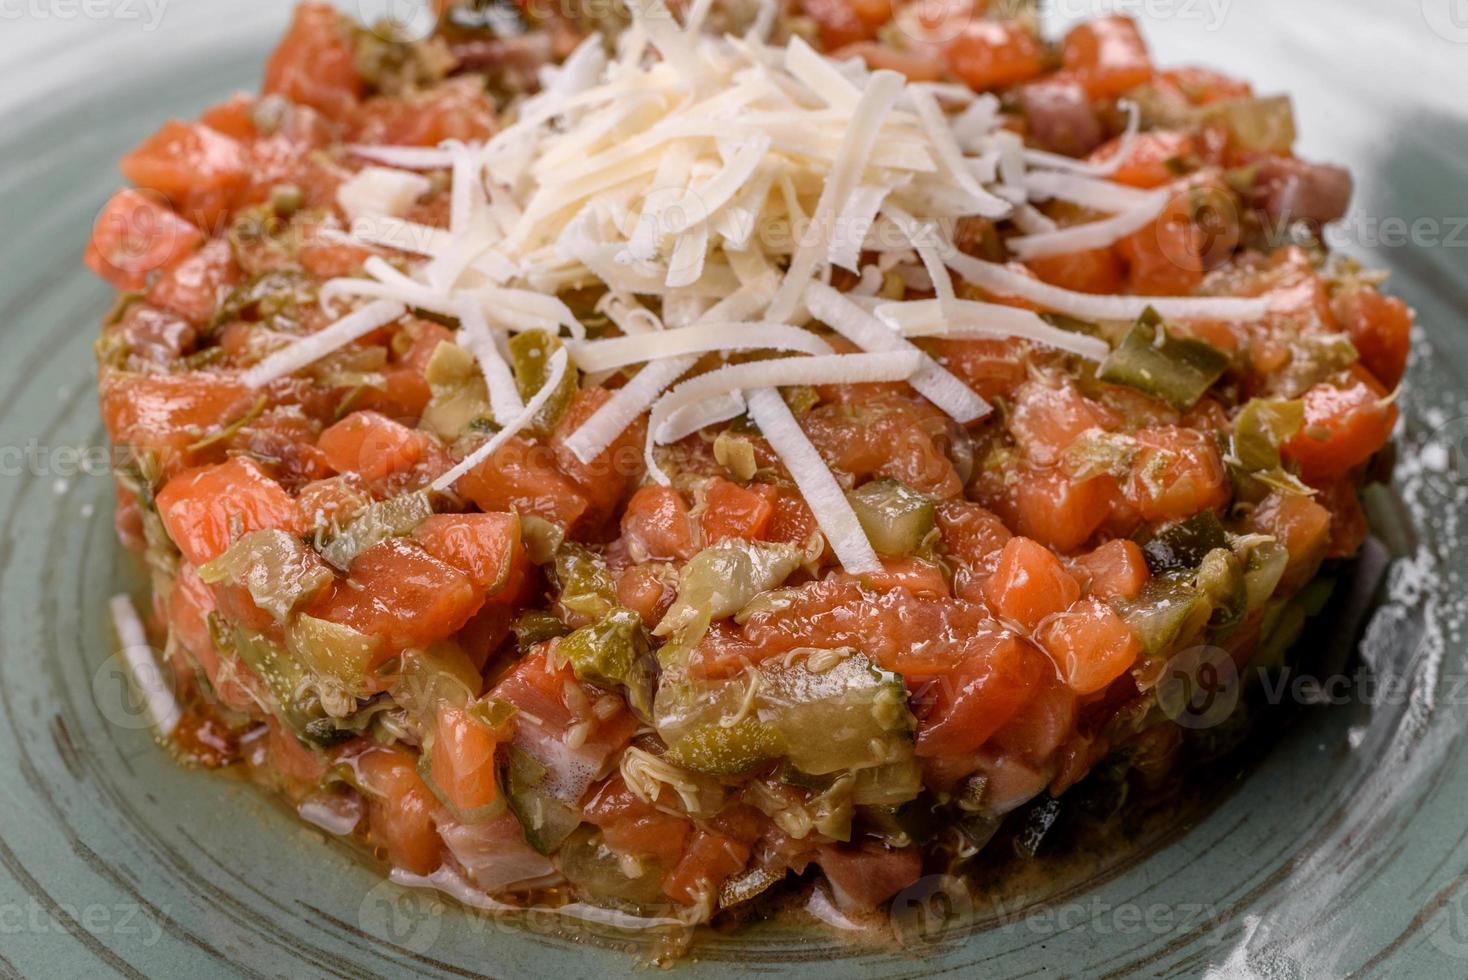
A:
<point x="1092" y="234"/>
<point x="378" y="191"/>
<point x="821" y="76"/>
<point x="688" y="420"/>
<point x="720" y="181"/>
<point x="405" y="157"/>
<point x="1057" y="161"/>
<point x="925" y="241"/>
<point x="940" y="131"/>
<point x="420" y="297"/>
<point x="405" y="236"/>
<point x="663" y="30"/>
<point x="1088" y="192"/>
<point x="862" y="131"/>
<point x="853" y="225"/>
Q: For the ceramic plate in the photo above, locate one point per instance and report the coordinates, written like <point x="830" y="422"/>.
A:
<point x="1340" y="850"/>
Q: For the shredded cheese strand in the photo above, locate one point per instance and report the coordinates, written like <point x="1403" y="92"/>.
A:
<point x="1111" y="165"/>
<point x="692" y="176"/>
<point x="654" y="17"/>
<point x="925" y="241"/>
<point x="504" y="393"/>
<point x="311" y="348"/>
<point x="935" y="383"/>
<point x="854" y="223"/>
<point x="558" y="363"/>
<point x="405" y="236"/>
<point x="380" y="191"/>
<point x="1090" y="235"/>
<point x="821" y="76"/>
<point x="1086" y="306"/>
<point x="951" y="158"/>
<point x="701" y="338"/>
<point x="970" y="318"/>
<point x="626" y="404"/>
<point x="692" y="418"/>
<point x="830" y="369"/>
<point x="1088" y="192"/>
<point x="821" y="491"/>
<point x="143" y="667"/>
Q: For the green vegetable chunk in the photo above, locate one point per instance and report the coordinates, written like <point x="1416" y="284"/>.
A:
<point x="1255" y="465"/>
<point x="721" y="580"/>
<point x="891" y="783"/>
<point x="719" y="750"/>
<point x="542" y="539"/>
<point x="825" y="713"/>
<point x="845" y="716"/>
<point x="459" y="393"/>
<point x="274" y="567"/>
<point x="600" y="874"/>
<point x="1181" y="546"/>
<point x="384" y="519"/>
<point x="1262" y="426"/>
<point x="492" y="712"/>
<point x="537" y="626"/>
<point x="265" y="298"/>
<point x="288" y="685"/>
<point x="1263" y="125"/>
<point x="747" y="885"/>
<point x="439" y="674"/>
<point x="896" y="518"/>
<point x="1169" y="610"/>
<point x="547" y="821"/>
<point x="586" y="586"/>
<point x="530" y="355"/>
<point x="332" y="651"/>
<point x="1263" y="568"/>
<point x="614" y="653"/>
<point x="1178" y="370"/>
<point x="1221" y="581"/>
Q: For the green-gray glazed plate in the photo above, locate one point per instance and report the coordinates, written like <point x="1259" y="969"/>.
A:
<point x="1340" y="851"/>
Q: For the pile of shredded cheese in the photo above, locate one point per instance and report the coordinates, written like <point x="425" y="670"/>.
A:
<point x="727" y="178"/>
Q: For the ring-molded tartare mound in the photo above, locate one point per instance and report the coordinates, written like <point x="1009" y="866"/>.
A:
<point x="632" y="466"/>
